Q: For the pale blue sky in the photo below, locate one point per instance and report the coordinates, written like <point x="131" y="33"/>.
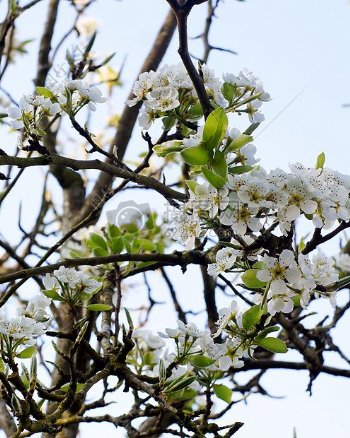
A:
<point x="293" y="45"/>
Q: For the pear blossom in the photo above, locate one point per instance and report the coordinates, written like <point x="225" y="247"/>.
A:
<point x="226" y="315"/>
<point x="225" y="259"/>
<point x="77" y="281"/>
<point x="36" y="308"/>
<point x="280" y="271"/>
<point x="67" y="275"/>
<point x="22" y="327"/>
<point x="233" y="355"/>
<point x="142" y="86"/>
<point x="163" y="99"/>
<point x="240" y="217"/>
<point x="323" y="269"/>
<point x="187" y="230"/>
<point x="280" y="302"/>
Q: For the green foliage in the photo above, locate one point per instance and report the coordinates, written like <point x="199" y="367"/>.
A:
<point x="239" y="170"/>
<point x="219" y="164"/>
<point x="320" y="162"/>
<point x="239" y="142"/>
<point x="27" y="353"/>
<point x="200" y="361"/>
<point x="215" y="180"/>
<point x="215" y="128"/>
<point x="223" y="392"/>
<point x="164" y="149"/>
<point x="251" y="317"/>
<point x="249" y="279"/>
<point x="265" y="332"/>
<point x="43" y="91"/>
<point x="195" y="155"/>
<point x="228" y="91"/>
<point x="274" y="345"/>
<point x="179" y="383"/>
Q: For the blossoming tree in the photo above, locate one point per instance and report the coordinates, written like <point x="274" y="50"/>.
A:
<point x="234" y="220"/>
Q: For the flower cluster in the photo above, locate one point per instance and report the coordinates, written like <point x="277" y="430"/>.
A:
<point x="225" y="260"/>
<point x="68" y="97"/>
<point x="254" y="201"/>
<point x="70" y="285"/>
<point x="30" y="111"/>
<point x="25" y="328"/>
<point x="170" y="92"/>
<point x="286" y="277"/>
<point x="195" y="349"/>
<point x="321" y="195"/>
<point x="75" y="94"/>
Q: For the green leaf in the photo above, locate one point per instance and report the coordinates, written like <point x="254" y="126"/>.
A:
<point x="201" y="361"/>
<point x="239" y="142"/>
<point x="113" y="231"/>
<point x="43" y="91"/>
<point x="146" y="245"/>
<point x="128" y="317"/>
<point x="168" y="123"/>
<point x="251" y="129"/>
<point x="148" y="358"/>
<point x="195" y="155"/>
<point x="215" y="128"/>
<point x="90" y="43"/>
<point x="265" y="332"/>
<point x="249" y="279"/>
<point x="238" y="170"/>
<point x="321" y="159"/>
<point x="223" y="392"/>
<point x="195" y="112"/>
<point x="215" y="180"/>
<point x="27" y="353"/>
<point x="109" y="58"/>
<point x="183" y="394"/>
<point x="100" y="252"/>
<point x="97" y="241"/>
<point x="296" y="300"/>
<point x="99" y="307"/>
<point x="228" y="90"/>
<point x="117" y="245"/>
<point x="162" y="150"/>
<point x="259" y="265"/>
<point x="219" y="164"/>
<point x="251" y="317"/>
<point x="191" y="185"/>
<point x="274" y="345"/>
<point x="53" y="294"/>
<point x="183" y="383"/>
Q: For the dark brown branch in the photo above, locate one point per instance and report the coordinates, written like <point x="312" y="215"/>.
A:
<point x="93" y="164"/>
<point x="181" y="13"/>
<point x="180" y="313"/>
<point x="318" y="239"/>
<point x="176" y="258"/>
